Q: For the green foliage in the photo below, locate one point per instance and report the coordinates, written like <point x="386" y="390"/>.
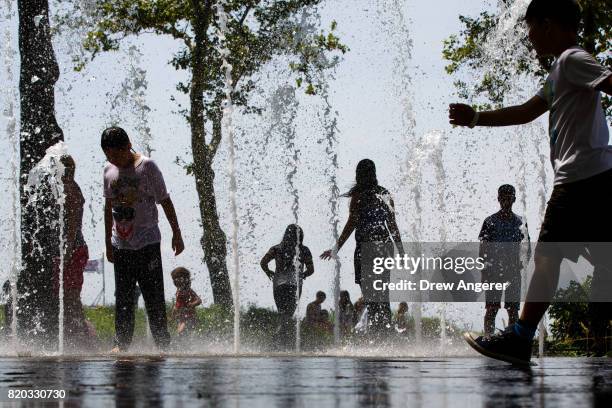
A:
<point x="258" y="321"/>
<point x="216" y="325"/>
<point x="215" y="322"/>
<point x="465" y="54"/>
<point x="259" y="31"/>
<point x="103" y="319"/>
<point x="569" y="312"/>
<point x="571" y="320"/>
<point x="188" y="167"/>
<point x="430" y="328"/>
<point x="258" y="326"/>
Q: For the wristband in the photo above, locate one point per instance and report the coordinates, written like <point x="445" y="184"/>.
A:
<point x="474" y="120"/>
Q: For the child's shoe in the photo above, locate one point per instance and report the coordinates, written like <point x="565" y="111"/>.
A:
<point x="505" y="346"/>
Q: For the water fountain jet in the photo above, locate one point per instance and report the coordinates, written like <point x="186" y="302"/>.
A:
<point x="49" y="171"/>
<point x="11" y="131"/>
<point x="228" y="130"/>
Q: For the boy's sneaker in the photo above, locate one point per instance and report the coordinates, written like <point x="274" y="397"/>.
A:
<point x="505" y="346"/>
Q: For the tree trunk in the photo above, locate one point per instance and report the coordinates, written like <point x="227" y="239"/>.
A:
<point x="37" y="310"/>
<point x="213" y="239"/>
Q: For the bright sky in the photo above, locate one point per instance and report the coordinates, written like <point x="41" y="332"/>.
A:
<point x="369" y="99"/>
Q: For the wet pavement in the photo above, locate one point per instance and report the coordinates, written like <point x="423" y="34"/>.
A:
<point x="287" y="381"/>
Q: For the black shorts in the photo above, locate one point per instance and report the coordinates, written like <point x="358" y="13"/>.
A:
<point x="365" y="253"/>
<point x="512" y="295"/>
<point x="577" y="213"/>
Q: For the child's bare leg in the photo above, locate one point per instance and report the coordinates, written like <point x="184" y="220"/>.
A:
<point x="489" y="318"/>
<point x="542" y="286"/>
<point x="180" y="328"/>
<point x="513" y="313"/>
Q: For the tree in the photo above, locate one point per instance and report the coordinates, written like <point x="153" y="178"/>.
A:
<point x="259" y="30"/>
<point x="37" y="310"/>
<point x="465" y="52"/>
<point x="569" y="311"/>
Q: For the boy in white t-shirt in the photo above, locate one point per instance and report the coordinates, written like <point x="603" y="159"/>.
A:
<point x="133" y="187"/>
<point x="578" y="210"/>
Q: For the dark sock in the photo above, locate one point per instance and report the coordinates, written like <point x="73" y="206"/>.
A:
<point x="522" y="329"/>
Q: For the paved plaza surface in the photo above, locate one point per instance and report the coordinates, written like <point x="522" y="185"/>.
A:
<point x="286" y="381"/>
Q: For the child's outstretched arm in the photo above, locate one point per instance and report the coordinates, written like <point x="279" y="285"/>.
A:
<point x="177" y="239"/>
<point x="464" y="115"/>
<point x="348" y="229"/>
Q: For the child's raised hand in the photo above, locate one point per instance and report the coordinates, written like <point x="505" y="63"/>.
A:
<point x="326" y="255"/>
<point x="460" y="114"/>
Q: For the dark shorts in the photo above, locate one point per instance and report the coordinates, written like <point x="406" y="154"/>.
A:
<point x="286" y="298"/>
<point x="376" y="248"/>
<point x="577" y="213"/>
<point x="512" y="295"/>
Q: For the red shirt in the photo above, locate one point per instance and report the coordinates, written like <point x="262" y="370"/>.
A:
<point x="183" y="299"/>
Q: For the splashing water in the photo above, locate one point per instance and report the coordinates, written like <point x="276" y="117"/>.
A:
<point x="50" y="171"/>
<point x="398" y="26"/>
<point x="393" y="20"/>
<point x="330" y="120"/>
<point x="11" y="132"/>
<point x="328" y="117"/>
<point x="285" y="107"/>
<point x="504" y="47"/>
<point x="506" y="42"/>
<point x="228" y="110"/>
<point x="505" y="51"/>
<point x="428" y="150"/>
<point x="443" y="340"/>
<point x="133" y="94"/>
<point x="434" y="143"/>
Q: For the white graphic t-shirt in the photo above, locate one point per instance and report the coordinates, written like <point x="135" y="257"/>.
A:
<point x="578" y="129"/>
<point x="135" y="193"/>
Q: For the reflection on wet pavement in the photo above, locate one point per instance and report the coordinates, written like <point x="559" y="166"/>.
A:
<point x="317" y="381"/>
